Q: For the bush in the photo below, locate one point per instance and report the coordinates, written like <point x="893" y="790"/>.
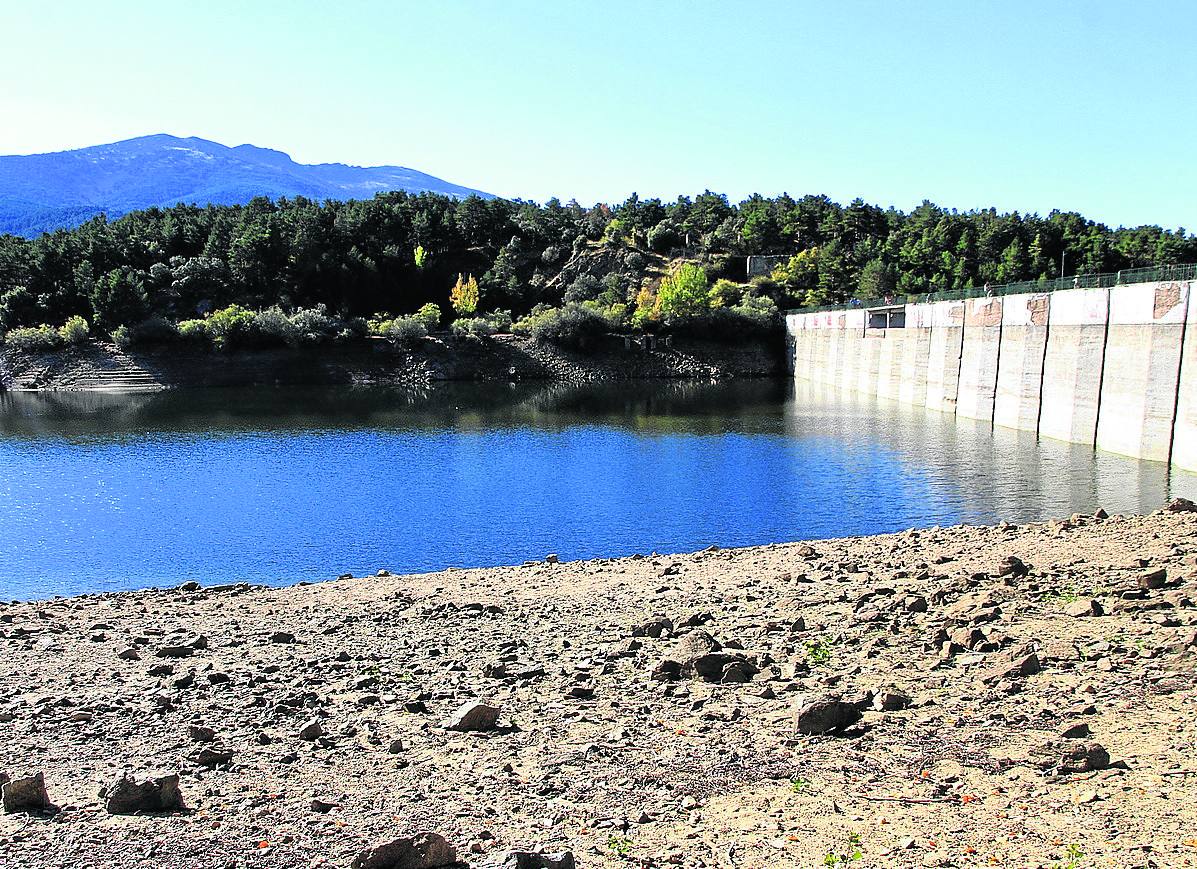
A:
<point x="402" y="331"/>
<point x="33" y="339"/>
<point x="430" y="316"/>
<point x="229" y="326"/>
<point x="195" y="332"/>
<point x="482" y="326"/>
<point x="568" y="326"/>
<point x="154" y="331"/>
<point x="314" y="325"/>
<point x="74" y="331"/>
<point x="122" y="337"/>
<point x="272" y="326"/>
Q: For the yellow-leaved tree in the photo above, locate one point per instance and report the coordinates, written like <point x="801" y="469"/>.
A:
<point x="464" y="295"/>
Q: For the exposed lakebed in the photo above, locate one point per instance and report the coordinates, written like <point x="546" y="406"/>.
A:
<point x="106" y="491"/>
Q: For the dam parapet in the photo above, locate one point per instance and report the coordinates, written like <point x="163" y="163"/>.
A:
<point x="1114" y="367"/>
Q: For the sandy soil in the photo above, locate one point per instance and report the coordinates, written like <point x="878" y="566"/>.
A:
<point x="654" y="711"/>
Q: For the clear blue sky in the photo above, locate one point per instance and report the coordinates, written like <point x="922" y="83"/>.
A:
<point x="1021" y="105"/>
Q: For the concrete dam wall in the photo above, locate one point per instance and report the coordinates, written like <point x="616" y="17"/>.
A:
<point x="1115" y="368"/>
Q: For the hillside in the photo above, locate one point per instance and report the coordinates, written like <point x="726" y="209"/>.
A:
<point x="43" y="192"/>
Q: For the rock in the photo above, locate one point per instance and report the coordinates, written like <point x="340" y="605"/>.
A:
<point x="200" y="733"/>
<point x="1072" y="757"/>
<point x="129" y="654"/>
<point x="1180" y="505"/>
<point x="474" y="716"/>
<point x="1153" y="579"/>
<point x="159" y="794"/>
<point x="282" y="637"/>
<point x="212" y="757"/>
<point x="1083" y="608"/>
<point x="1012" y="566"/>
<point x="1019" y="665"/>
<point x="1076" y="731"/>
<point x="694" y="644"/>
<point x="175" y="652"/>
<point x="654" y="627"/>
<point x="27" y="794"/>
<point x="421" y="851"/>
<point x="890" y="701"/>
<point x="311" y="731"/>
<point x="532" y="860"/>
<point x="322" y="807"/>
<point x="709" y="667"/>
<point x="825" y="716"/>
<point x="666" y="670"/>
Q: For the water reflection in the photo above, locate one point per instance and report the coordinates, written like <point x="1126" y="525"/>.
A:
<point x="106" y="491"/>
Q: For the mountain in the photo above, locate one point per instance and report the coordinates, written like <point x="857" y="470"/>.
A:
<point x="42" y="192"/>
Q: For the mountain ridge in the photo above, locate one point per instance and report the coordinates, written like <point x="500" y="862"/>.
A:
<point x="61" y="189"/>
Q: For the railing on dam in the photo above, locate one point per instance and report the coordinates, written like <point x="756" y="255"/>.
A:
<point x="1186" y="272"/>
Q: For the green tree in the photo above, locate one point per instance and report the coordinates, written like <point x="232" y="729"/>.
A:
<point x="683" y="293"/>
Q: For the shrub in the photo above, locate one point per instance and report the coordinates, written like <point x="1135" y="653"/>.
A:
<point x="724" y="293"/>
<point x="583" y="288"/>
<point x="74" y="331"/>
<point x="33" y="339"/>
<point x="272" y="326"/>
<point x="314" y="325"/>
<point x="122" y="337"/>
<point x="430" y="316"/>
<point x="402" y="331"/>
<point x="154" y="331"/>
<point x="568" y="326"/>
<point x="194" y="332"/>
<point x="482" y="326"/>
<point x="229" y="326"/>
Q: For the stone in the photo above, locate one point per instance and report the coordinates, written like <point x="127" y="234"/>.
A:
<point x="816" y="717"/>
<point x="129" y="654"/>
<point x="654" y="627"/>
<point x="1180" y="505"/>
<point x="126" y="796"/>
<point x="1072" y="757"/>
<point x="1012" y="566"/>
<point x="282" y="637"/>
<point x="1084" y="608"/>
<point x="694" y="644"/>
<point x="311" y="731"/>
<point x="890" y="701"/>
<point x="200" y="733"/>
<point x="1019" y="665"/>
<point x="666" y="670"/>
<point x="213" y="757"/>
<point x="473" y="716"/>
<point x="1153" y="579"/>
<point x="26" y="794"/>
<point x="533" y="860"/>
<point x="175" y="652"/>
<point x="1079" y="730"/>
<point x="421" y="851"/>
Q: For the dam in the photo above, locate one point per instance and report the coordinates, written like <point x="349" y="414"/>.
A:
<point x="1110" y="361"/>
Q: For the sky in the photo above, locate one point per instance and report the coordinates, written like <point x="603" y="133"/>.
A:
<point x="1080" y="105"/>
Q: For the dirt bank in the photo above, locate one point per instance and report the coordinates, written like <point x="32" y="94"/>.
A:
<point x="101" y="365"/>
<point x="1026" y="698"/>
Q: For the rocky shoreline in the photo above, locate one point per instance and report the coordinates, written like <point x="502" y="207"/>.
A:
<point x="99" y="365"/>
<point x="1016" y="696"/>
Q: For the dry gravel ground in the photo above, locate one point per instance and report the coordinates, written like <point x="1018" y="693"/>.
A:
<point x="600" y="747"/>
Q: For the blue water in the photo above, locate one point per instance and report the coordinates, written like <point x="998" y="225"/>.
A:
<point x="103" y="492"/>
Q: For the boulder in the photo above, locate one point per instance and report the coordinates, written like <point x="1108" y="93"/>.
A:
<point x="825" y="715"/>
<point x="1180" y="505"/>
<point x="421" y="851"/>
<point x="1153" y="579"/>
<point x="126" y="796"/>
<point x="311" y="731"/>
<point x="473" y="716"/>
<point x="26" y="794"/>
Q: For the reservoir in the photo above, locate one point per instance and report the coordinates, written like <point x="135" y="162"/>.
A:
<point x="117" y="491"/>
